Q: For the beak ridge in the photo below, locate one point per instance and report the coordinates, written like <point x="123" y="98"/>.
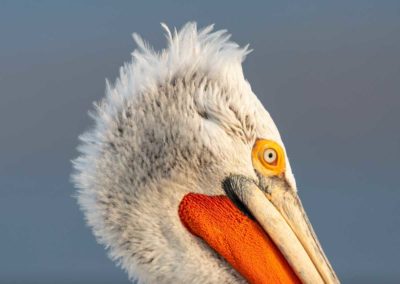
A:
<point x="289" y="205"/>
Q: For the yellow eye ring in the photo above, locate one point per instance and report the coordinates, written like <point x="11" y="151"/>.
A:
<point x="268" y="157"/>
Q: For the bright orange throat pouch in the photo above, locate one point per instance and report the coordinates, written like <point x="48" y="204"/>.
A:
<point x="236" y="237"/>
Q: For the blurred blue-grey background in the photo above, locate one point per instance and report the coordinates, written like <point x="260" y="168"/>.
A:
<point x="328" y="72"/>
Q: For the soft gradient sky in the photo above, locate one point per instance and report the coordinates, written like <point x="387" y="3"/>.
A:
<point x="328" y="72"/>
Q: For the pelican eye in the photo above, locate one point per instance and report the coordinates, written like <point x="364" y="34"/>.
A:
<point x="268" y="157"/>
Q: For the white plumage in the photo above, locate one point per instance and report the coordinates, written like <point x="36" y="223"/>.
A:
<point x="174" y="122"/>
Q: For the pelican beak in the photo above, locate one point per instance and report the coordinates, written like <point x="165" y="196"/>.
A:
<point x="280" y="213"/>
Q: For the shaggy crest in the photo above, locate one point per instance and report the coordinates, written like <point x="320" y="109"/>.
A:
<point x="189" y="51"/>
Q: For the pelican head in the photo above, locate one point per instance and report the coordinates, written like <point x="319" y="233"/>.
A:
<point x="185" y="121"/>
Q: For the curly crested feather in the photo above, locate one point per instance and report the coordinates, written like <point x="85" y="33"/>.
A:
<point x="175" y="122"/>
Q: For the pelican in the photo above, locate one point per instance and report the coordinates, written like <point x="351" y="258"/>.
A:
<point x="184" y="177"/>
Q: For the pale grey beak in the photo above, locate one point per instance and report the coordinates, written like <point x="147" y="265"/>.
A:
<point x="282" y="216"/>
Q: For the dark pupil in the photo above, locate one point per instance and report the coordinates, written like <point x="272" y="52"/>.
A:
<point x="270" y="155"/>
